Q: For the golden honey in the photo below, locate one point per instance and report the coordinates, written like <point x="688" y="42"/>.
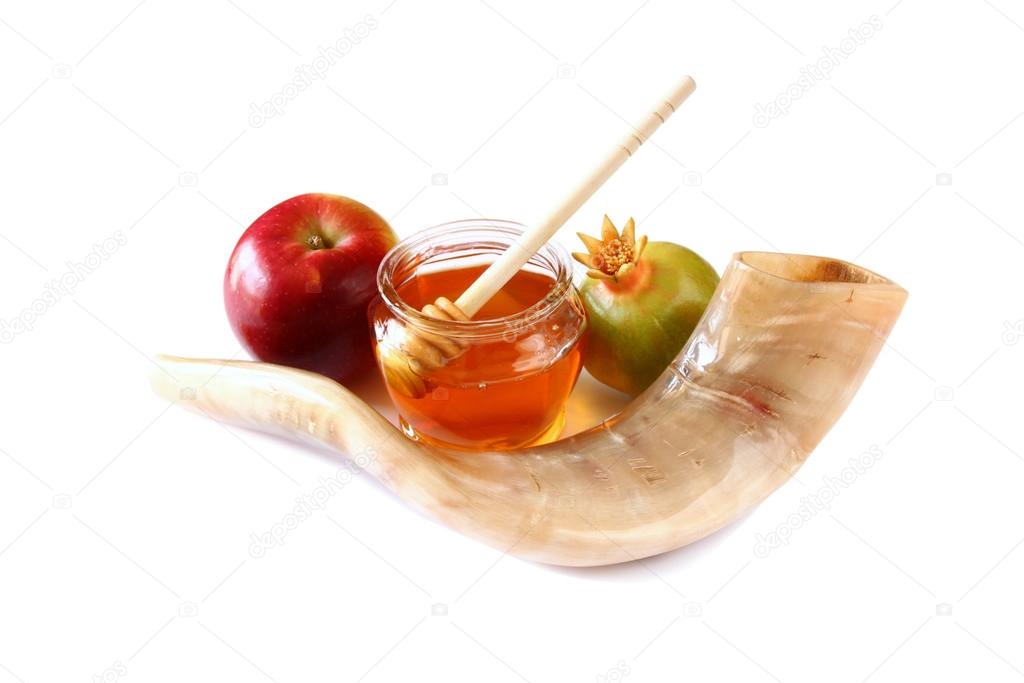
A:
<point x="523" y="349"/>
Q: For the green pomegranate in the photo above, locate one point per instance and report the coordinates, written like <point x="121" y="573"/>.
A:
<point x="643" y="301"/>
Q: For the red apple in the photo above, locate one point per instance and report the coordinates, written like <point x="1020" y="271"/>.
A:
<point x="299" y="282"/>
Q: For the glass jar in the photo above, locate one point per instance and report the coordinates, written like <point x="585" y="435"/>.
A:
<point x="521" y="354"/>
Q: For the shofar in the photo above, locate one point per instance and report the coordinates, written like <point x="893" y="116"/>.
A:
<point x="783" y="346"/>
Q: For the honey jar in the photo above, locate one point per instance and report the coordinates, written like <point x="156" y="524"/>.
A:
<point x="522" y="352"/>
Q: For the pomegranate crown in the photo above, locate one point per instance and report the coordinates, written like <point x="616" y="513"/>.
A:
<point x="614" y="255"/>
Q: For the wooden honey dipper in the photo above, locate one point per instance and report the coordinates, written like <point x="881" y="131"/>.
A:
<point x="420" y="353"/>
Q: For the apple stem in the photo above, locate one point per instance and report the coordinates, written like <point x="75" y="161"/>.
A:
<point x="315" y="242"/>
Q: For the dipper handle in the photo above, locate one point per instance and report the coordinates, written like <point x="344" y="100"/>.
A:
<point x="516" y="256"/>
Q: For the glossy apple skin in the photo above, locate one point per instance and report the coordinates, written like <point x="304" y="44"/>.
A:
<point x="300" y="279"/>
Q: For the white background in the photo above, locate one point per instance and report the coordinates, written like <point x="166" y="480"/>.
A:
<point x="125" y="523"/>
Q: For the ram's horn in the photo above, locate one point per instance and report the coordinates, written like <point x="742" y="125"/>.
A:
<point x="779" y="353"/>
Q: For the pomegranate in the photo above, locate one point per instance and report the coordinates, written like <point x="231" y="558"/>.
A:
<point x="643" y="300"/>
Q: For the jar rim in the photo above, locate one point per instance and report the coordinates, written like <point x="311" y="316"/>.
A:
<point x="556" y="261"/>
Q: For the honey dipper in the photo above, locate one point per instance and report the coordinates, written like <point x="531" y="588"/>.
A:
<point x="418" y="353"/>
